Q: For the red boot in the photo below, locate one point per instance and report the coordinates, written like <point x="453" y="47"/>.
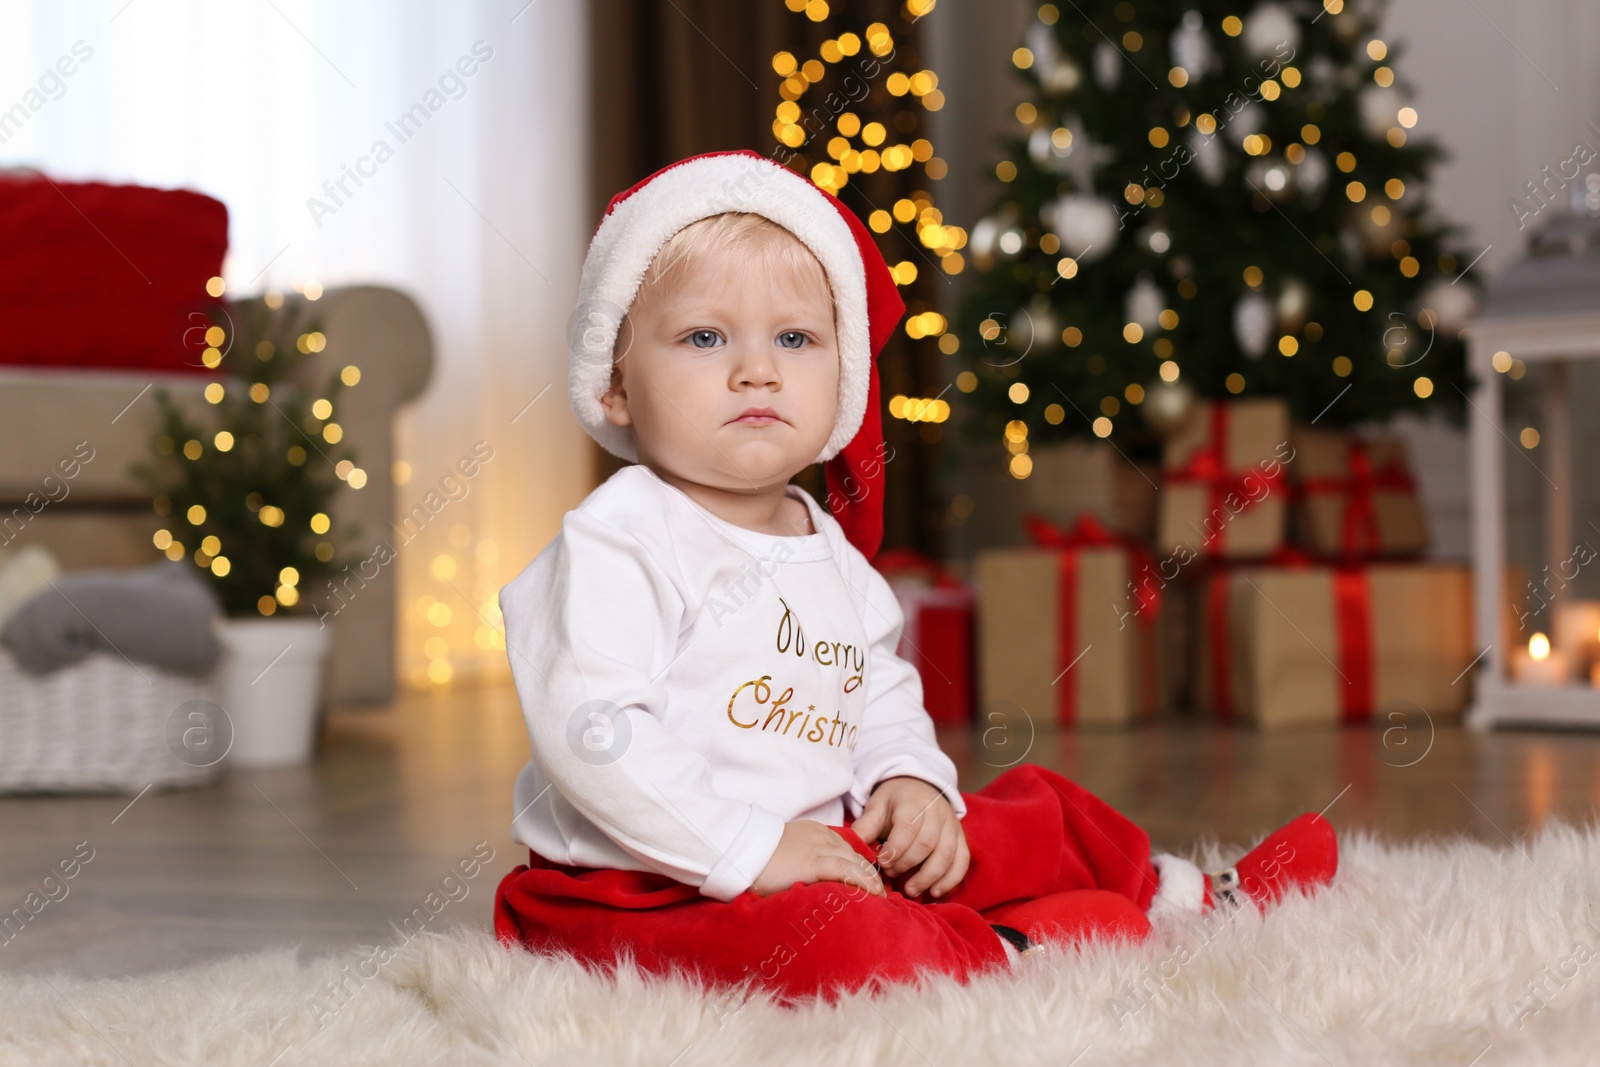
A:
<point x="1303" y="852"/>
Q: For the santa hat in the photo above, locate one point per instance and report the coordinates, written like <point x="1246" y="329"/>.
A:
<point x="639" y="220"/>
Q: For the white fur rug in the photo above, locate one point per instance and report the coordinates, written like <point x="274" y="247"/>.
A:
<point x="1443" y="952"/>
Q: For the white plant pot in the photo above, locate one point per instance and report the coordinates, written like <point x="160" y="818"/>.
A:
<point x="271" y="688"/>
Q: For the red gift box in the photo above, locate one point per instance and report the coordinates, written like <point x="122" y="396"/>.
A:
<point x="937" y="638"/>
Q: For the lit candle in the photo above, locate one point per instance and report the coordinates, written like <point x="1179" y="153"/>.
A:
<point x="1539" y="664"/>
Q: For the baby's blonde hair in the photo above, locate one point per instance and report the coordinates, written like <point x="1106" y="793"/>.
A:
<point x="743" y="236"/>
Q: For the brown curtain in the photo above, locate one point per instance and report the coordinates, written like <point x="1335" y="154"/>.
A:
<point x="673" y="78"/>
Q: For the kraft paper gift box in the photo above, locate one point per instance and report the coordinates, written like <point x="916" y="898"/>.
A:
<point x="1319" y="644"/>
<point x="1355" y="498"/>
<point x="1061" y="635"/>
<point x="1223" y="490"/>
<point x="1074" y="478"/>
<point x="938" y="634"/>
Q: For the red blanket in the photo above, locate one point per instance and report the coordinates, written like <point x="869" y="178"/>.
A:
<point x="97" y="275"/>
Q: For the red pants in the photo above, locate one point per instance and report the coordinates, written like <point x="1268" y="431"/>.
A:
<point x="1031" y="833"/>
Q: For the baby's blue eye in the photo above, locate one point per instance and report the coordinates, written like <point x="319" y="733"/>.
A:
<point x="704" y="338"/>
<point x="791" y="339"/>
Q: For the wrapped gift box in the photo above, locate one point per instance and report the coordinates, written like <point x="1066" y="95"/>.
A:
<point x="1317" y="644"/>
<point x="937" y="638"/>
<point x="1061" y="633"/>
<point x="1223" y="490"/>
<point x="1355" y="498"/>
<point x="1075" y="478"/>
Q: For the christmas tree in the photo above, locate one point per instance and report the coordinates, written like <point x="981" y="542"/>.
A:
<point x="249" y="496"/>
<point x="1205" y="201"/>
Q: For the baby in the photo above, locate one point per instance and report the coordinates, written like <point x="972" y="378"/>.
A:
<point x="732" y="771"/>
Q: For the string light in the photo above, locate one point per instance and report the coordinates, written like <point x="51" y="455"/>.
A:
<point x="875" y="150"/>
<point x="919" y="409"/>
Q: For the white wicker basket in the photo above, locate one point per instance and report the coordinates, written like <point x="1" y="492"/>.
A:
<point x="102" y="725"/>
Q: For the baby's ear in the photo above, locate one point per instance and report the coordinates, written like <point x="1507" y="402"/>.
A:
<point x="615" y="400"/>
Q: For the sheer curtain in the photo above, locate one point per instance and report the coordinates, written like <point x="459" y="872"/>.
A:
<point x="438" y="148"/>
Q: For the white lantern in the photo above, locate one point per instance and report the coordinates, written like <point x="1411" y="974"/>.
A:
<point x="1538" y="336"/>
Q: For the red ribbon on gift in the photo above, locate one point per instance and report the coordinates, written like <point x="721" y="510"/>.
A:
<point x="1089" y="532"/>
<point x="1209" y="466"/>
<point x="1352" y="616"/>
<point x="1068" y="542"/>
<point x="1352" y="613"/>
<point x="1359" y="533"/>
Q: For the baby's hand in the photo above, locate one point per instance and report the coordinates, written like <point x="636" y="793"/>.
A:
<point x="810" y="851"/>
<point x="923" y="828"/>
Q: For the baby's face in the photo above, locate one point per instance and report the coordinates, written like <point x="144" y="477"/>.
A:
<point x="717" y="338"/>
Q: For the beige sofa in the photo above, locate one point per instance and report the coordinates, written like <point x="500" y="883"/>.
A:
<point x="102" y="517"/>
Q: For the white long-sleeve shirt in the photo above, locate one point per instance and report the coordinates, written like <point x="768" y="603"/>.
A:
<point x="690" y="685"/>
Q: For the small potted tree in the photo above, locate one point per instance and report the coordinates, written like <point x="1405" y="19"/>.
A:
<point x="248" y="498"/>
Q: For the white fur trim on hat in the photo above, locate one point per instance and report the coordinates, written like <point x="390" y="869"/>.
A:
<point x="631" y="235"/>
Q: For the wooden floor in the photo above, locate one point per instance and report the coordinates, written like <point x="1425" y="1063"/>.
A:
<point x="324" y="857"/>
